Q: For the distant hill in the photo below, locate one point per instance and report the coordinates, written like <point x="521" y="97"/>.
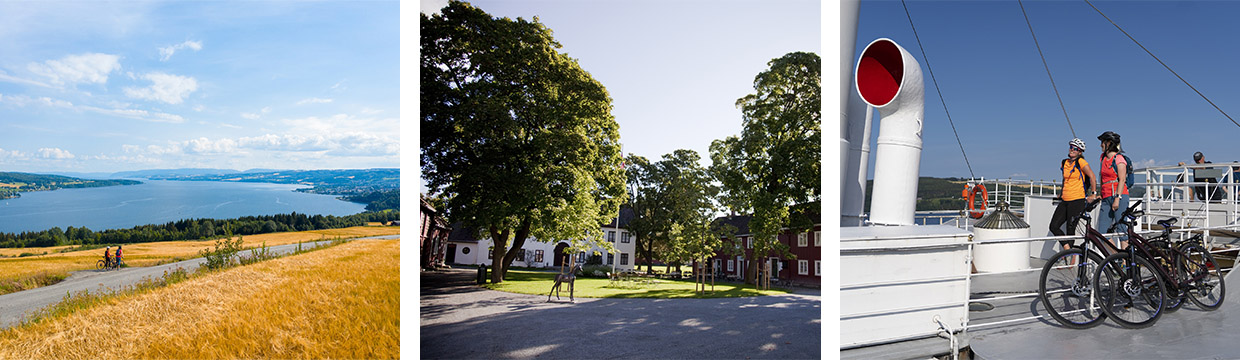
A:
<point x="932" y="194"/>
<point x="12" y="184"/>
<point x="149" y="174"/>
<point x="378" y="188"/>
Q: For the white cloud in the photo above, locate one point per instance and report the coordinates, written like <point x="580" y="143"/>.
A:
<point x="54" y="153"/>
<point x="74" y="69"/>
<point x="166" y="52"/>
<point x="13" y="79"/>
<point x="172" y="89"/>
<point x="431" y="7"/>
<point x="251" y="116"/>
<point x="12" y="154"/>
<point x="369" y="111"/>
<point x="138" y="114"/>
<point x="206" y="146"/>
<point x="314" y="101"/>
<point x="23" y="100"/>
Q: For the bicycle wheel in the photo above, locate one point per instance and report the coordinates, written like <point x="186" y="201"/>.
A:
<point x="1065" y="290"/>
<point x="1129" y="290"/>
<point x="100" y="264"/>
<point x="1206" y="287"/>
<point x="1175" y="294"/>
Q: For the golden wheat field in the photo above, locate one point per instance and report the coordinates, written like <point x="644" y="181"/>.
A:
<point x="340" y="302"/>
<point x="22" y="269"/>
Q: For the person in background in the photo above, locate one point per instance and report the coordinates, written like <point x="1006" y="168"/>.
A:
<point x="107" y="257"/>
<point x="1113" y="169"/>
<point x="1079" y="190"/>
<point x="1201" y="192"/>
<point x="118" y="255"/>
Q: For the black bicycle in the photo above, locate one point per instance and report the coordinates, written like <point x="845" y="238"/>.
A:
<point x="1066" y="283"/>
<point x="1136" y="285"/>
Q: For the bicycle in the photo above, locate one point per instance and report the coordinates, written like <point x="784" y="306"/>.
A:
<point x="1137" y="284"/>
<point x="1065" y="284"/>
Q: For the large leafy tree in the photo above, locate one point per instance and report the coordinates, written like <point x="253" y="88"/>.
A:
<point x="774" y="163"/>
<point x="518" y="139"/>
<point x="673" y="206"/>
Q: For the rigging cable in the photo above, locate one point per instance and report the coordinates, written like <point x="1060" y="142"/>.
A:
<point x="936" y="89"/>
<point x="1048" y="68"/>
<point x="1147" y="51"/>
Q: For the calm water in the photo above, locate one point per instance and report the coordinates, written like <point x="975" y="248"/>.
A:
<point x="158" y="202"/>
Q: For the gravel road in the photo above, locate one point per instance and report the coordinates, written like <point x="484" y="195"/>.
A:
<point x="13" y="307"/>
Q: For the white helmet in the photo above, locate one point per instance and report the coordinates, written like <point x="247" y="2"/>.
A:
<point x="1077" y="143"/>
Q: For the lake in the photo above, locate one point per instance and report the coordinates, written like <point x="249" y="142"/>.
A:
<point x="159" y="202"/>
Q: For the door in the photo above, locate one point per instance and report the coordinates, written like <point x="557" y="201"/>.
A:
<point x="560" y="255"/>
<point x="451" y="254"/>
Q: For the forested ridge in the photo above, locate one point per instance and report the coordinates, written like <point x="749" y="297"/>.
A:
<point x="192" y="229"/>
<point x="13" y="183"/>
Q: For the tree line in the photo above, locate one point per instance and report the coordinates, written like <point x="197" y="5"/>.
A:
<point x="192" y="229"/>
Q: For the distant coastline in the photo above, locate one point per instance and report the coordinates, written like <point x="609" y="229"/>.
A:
<point x="12" y="184"/>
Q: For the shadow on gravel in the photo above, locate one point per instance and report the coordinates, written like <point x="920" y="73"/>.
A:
<point x="468" y="322"/>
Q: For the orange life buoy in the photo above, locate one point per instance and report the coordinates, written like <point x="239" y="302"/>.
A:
<point x="974" y="212"/>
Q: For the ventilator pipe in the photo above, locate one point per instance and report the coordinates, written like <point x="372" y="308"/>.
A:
<point x="855" y="123"/>
<point x="890" y="80"/>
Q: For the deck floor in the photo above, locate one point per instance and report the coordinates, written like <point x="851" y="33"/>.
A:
<point x="1189" y="333"/>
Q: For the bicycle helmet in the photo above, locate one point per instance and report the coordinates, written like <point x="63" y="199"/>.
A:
<point x="1077" y="143"/>
<point x="1109" y="136"/>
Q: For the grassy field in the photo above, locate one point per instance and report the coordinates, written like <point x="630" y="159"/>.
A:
<point x="340" y="302"/>
<point x="24" y="273"/>
<point x="539" y="283"/>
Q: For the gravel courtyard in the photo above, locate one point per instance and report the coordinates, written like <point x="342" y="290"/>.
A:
<point x="462" y="321"/>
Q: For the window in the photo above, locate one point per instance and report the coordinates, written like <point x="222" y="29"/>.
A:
<point x="520" y="256"/>
<point x="624" y="237"/>
<point x="817" y="238"/>
<point x="624" y="259"/>
<point x="817" y="267"/>
<point x="748" y="243"/>
<point x="581" y="258"/>
<point x="730" y="267"/>
<point x="610" y="258"/>
<point x="803" y="267"/>
<point x="802" y="239"/>
<point x="490" y="252"/>
<point x="611" y="236"/>
<point x="465" y="250"/>
<point x="538" y="256"/>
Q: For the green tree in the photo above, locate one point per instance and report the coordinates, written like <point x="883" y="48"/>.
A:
<point x="518" y="138"/>
<point x="774" y="163"/>
<point x="673" y="206"/>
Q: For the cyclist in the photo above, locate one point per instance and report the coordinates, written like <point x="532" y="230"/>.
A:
<point x="107" y="257"/>
<point x="1113" y="169"/>
<point x="118" y="255"/>
<point x="1078" y="180"/>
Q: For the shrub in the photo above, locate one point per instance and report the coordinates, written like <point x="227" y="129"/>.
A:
<point x="224" y="254"/>
<point x="595" y="271"/>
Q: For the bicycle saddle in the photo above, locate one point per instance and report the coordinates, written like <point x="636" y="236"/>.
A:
<point x="1166" y="223"/>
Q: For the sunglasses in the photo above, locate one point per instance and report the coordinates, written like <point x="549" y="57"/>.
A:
<point x="1074" y="148"/>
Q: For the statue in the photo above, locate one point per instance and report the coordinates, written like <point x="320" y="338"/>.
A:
<point x="564" y="278"/>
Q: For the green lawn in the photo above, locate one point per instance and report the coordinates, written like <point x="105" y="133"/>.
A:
<point x="539" y="283"/>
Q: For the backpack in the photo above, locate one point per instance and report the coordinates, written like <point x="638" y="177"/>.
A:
<point x="1127" y="161"/>
<point x="1076" y="167"/>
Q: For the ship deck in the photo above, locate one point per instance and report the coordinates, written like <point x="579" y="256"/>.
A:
<point x="1189" y="333"/>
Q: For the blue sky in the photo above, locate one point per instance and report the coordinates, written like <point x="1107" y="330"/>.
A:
<point x="1004" y="107"/>
<point x="103" y="87"/>
<point x="674" y="69"/>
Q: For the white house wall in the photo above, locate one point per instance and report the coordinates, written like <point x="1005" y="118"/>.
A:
<point x="478" y="251"/>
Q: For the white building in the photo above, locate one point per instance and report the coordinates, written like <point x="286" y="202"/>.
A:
<point x="464" y="249"/>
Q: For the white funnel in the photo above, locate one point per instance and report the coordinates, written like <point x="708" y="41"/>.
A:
<point x="889" y="79"/>
<point x="855" y="120"/>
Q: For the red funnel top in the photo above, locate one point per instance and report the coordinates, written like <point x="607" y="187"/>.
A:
<point x="879" y="72"/>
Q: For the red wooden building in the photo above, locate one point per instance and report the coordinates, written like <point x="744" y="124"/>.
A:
<point x="804" y="269"/>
